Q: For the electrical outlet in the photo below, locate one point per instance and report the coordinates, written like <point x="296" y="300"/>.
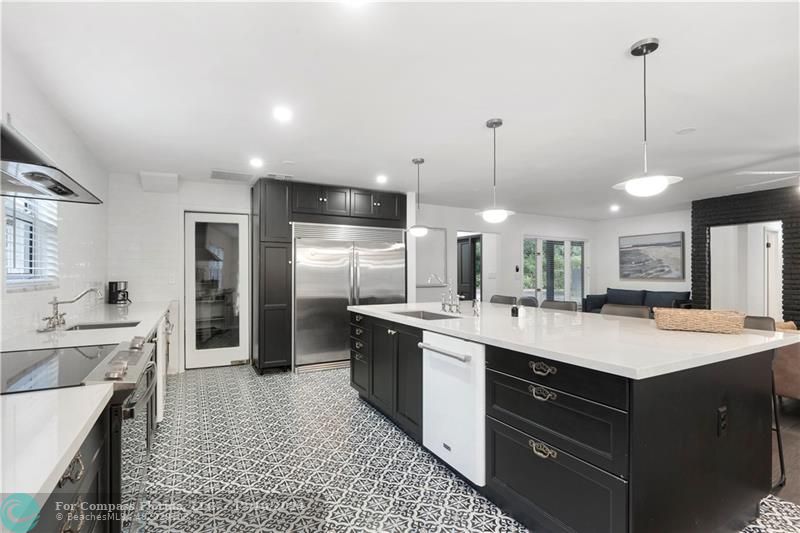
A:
<point x="722" y="420"/>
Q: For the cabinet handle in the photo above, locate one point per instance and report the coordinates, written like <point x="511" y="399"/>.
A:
<point x="320" y="198"/>
<point x="540" y="368"/>
<point x="71" y="474"/>
<point x="359" y="331"/>
<point x="391" y="332"/>
<point x="359" y="318"/>
<point x="66" y="527"/>
<point x="357" y="356"/>
<point x="379" y="204"/>
<point x="542" y="450"/>
<point x="359" y="345"/>
<point x="542" y="394"/>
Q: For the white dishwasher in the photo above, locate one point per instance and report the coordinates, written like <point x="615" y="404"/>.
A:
<point x="454" y="403"/>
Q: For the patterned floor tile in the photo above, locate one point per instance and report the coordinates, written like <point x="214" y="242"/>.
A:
<point x="238" y="452"/>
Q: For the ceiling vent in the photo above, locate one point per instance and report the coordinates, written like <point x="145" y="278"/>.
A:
<point x="274" y="176"/>
<point x="228" y="175"/>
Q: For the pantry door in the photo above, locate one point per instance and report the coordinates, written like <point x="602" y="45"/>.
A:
<point x="217" y="294"/>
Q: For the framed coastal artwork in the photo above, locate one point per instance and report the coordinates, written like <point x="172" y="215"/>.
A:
<point x="657" y="256"/>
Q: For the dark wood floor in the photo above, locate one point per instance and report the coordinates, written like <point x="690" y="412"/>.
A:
<point x="790" y="427"/>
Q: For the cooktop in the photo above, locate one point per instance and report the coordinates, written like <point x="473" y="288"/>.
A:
<point x="49" y="369"/>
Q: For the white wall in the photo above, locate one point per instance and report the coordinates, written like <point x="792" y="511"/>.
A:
<point x="738" y="269"/>
<point x="510" y="235"/>
<point x="82" y="231"/>
<point x="146" y="244"/>
<point x="604" y="255"/>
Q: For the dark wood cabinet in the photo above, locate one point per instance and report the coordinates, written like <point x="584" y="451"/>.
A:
<point x="377" y="204"/>
<point x="386" y="361"/>
<point x="321" y="200"/>
<point x="549" y="489"/>
<point x="335" y="201"/>
<point x="408" y="382"/>
<point x="275" y="321"/>
<point x="275" y="210"/>
<point x="86" y="484"/>
<point x="381" y="388"/>
<point x="362" y="203"/>
<point x="588" y="430"/>
<point x="307" y="198"/>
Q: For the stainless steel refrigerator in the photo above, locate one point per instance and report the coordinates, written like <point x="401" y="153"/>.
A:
<point x="337" y="266"/>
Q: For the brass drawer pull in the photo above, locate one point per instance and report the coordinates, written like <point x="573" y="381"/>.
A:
<point x="540" y="368"/>
<point x="72" y="473"/>
<point x="359" y="318"/>
<point x="542" y="394"/>
<point x="359" y="345"/>
<point x="542" y="450"/>
<point x="359" y="331"/>
<point x="391" y="332"/>
<point x="358" y="356"/>
<point x="78" y="509"/>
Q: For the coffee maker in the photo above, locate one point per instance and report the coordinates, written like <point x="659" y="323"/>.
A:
<point x="118" y="293"/>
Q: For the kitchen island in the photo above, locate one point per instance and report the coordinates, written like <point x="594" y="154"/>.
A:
<point x="592" y="422"/>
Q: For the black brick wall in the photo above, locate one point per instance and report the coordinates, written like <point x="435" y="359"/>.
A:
<point x="761" y="206"/>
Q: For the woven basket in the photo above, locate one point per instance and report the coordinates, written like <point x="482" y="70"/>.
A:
<point x="704" y="320"/>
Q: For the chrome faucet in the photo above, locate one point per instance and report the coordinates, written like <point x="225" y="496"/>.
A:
<point x="451" y="304"/>
<point x="56" y="320"/>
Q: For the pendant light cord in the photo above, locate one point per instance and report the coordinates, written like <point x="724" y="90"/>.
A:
<point x="494" y="167"/>
<point x="417" y="186"/>
<point x="644" y="94"/>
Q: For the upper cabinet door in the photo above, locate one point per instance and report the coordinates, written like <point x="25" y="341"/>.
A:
<point x="307" y="198"/>
<point x="388" y="205"/>
<point x="275" y="211"/>
<point x="336" y="201"/>
<point x="362" y="203"/>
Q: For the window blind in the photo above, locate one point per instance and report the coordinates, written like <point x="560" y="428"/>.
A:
<point x="31" y="243"/>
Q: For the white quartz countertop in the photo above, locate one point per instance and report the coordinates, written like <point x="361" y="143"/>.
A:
<point x="41" y="432"/>
<point x="146" y="313"/>
<point x="629" y="347"/>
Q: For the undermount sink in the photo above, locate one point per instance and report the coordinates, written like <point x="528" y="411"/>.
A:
<point x="425" y="315"/>
<point x="103" y="325"/>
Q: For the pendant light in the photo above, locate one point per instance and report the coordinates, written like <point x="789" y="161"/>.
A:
<point x="646" y="185"/>
<point x="494" y="215"/>
<point x="418" y="230"/>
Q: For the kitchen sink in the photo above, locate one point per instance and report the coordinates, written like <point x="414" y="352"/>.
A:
<point x="425" y="315"/>
<point x="103" y="325"/>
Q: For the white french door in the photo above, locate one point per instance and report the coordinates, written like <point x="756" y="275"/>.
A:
<point x="217" y="289"/>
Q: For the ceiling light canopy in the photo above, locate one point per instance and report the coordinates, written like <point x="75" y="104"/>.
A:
<point x="646" y="185"/>
<point x="614" y="208"/>
<point x="494" y="214"/>
<point x="256" y="162"/>
<point x="418" y="230"/>
<point x="381" y="178"/>
<point x="282" y="114"/>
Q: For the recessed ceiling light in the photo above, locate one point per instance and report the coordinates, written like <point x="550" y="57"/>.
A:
<point x="381" y="178"/>
<point x="256" y="162"/>
<point x="685" y="131"/>
<point x="282" y="113"/>
<point x="354" y="3"/>
<point x="287" y="162"/>
<point x="614" y="208"/>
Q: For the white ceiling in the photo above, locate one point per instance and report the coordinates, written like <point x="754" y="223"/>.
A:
<point x="185" y="88"/>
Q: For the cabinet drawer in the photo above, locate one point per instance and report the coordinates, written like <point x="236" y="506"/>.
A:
<point x="357" y="318"/>
<point x="591" y="431"/>
<point x="359" y="372"/>
<point x="360" y="331"/>
<point x="598" y="386"/>
<point x="359" y="345"/>
<point x="548" y="489"/>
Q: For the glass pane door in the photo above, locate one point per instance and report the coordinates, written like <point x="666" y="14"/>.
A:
<point x="576" y="271"/>
<point x="217" y="293"/>
<point x="553" y="270"/>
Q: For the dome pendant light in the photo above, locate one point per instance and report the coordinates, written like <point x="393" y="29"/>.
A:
<point x="646" y="185"/>
<point x="494" y="215"/>
<point x="418" y="230"/>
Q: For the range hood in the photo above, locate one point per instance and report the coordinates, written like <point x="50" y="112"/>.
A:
<point x="28" y="173"/>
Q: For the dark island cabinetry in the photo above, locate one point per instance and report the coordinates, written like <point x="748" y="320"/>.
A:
<point x="386" y="370"/>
